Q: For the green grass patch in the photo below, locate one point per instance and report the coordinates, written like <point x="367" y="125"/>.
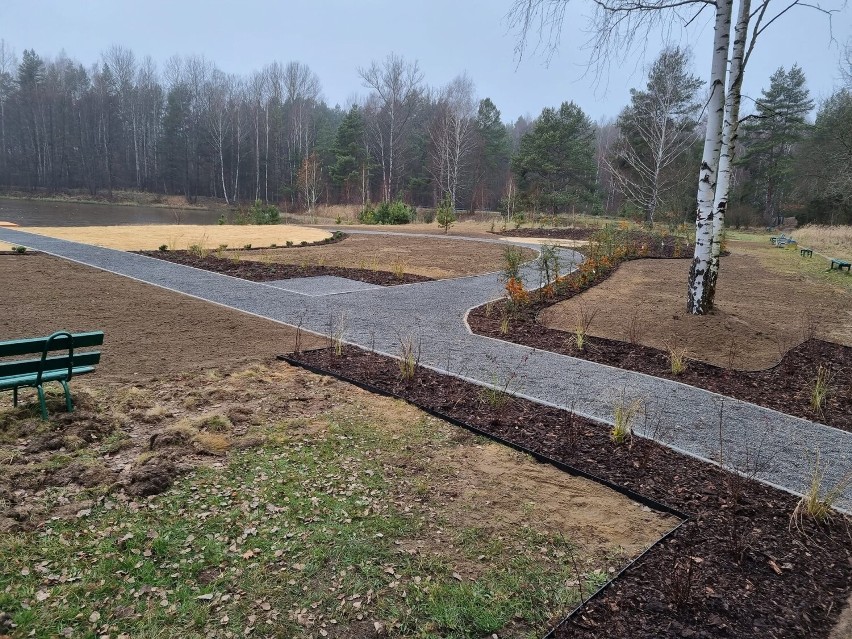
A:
<point x="318" y="534"/>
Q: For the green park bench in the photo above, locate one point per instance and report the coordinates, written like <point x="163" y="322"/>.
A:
<point x="34" y="372"/>
<point x="806" y="252"/>
<point x="839" y="265"/>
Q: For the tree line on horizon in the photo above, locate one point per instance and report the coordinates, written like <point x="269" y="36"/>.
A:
<point x="192" y="130"/>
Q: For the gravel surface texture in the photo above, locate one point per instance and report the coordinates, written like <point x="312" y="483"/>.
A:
<point x="773" y="447"/>
<point x="321" y="285"/>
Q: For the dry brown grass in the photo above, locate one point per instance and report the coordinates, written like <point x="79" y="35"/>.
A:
<point x="833" y="241"/>
<point x="182" y="236"/>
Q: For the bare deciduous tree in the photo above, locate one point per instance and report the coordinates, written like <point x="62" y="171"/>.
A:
<point x="654" y="132"/>
<point x="452" y="136"/>
<point x="396" y="85"/>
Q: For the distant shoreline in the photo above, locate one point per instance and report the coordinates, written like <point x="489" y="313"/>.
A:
<point x="120" y="198"/>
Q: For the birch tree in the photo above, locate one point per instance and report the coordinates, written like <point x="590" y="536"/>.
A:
<point x="621" y="27"/>
<point x="452" y="136"/>
<point x="395" y="84"/>
<point x="655" y="132"/>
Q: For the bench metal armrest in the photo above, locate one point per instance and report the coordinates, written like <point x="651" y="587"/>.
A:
<point x="47" y="349"/>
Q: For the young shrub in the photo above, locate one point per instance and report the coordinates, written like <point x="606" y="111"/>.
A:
<point x="247" y="247"/>
<point x="622" y="430"/>
<point x="445" y="215"/>
<point x="512" y="259"/>
<point x="516" y="292"/>
<point x="261" y="213"/>
<point x="548" y="267"/>
<point x="820" y="389"/>
<point x="163" y="248"/>
<point x="19" y="249"/>
<point x="677" y="359"/>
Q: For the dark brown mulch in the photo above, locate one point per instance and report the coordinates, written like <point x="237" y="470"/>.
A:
<point x="785" y="387"/>
<point x="737" y="568"/>
<point x="260" y="272"/>
<point x="562" y="234"/>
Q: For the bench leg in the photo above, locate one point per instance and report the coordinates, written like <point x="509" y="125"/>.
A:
<point x="42" y="402"/>
<point x="69" y="405"/>
<point x="15" y="396"/>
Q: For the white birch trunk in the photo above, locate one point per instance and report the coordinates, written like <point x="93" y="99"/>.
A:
<point x="729" y="139"/>
<point x="699" y="294"/>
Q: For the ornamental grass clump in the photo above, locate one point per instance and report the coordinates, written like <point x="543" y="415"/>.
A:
<point x="677" y="359"/>
<point x="409" y="357"/>
<point x="820" y="389"/>
<point x="622" y="429"/>
<point x="582" y="323"/>
<point x="817" y="504"/>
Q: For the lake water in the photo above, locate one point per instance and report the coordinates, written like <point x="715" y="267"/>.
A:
<point x="43" y="213"/>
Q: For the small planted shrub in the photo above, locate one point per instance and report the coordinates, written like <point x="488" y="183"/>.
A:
<point x="221" y="220"/>
<point x="247" y="246"/>
<point x="512" y="259"/>
<point x="397" y="212"/>
<point x="259" y="213"/>
<point x="289" y="243"/>
<point x="445" y="215"/>
<point x="19" y="249"/>
<point x="164" y="247"/>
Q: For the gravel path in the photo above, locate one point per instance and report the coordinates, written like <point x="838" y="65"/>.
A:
<point x="776" y="448"/>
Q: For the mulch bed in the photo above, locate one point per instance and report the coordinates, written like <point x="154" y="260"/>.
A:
<point x="785" y="387"/>
<point x="561" y="234"/>
<point x="262" y="272"/>
<point x="739" y="567"/>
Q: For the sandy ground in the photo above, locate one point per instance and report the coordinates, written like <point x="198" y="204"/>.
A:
<point x="431" y="257"/>
<point x="182" y="236"/>
<point x="168" y="332"/>
<point x="759" y="314"/>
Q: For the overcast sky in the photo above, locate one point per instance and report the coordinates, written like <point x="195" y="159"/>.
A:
<point x="447" y="37"/>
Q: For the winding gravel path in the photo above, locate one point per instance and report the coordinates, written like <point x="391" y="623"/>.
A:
<point x="778" y="449"/>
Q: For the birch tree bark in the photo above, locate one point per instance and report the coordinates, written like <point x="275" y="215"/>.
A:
<point x="729" y="140"/>
<point x="699" y="293"/>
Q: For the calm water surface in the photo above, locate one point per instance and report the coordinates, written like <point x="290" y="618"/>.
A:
<point x="40" y="213"/>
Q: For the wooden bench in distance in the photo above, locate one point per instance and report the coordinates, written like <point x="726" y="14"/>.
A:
<point x="839" y="265"/>
<point x="34" y="372"/>
<point x="806" y="252"/>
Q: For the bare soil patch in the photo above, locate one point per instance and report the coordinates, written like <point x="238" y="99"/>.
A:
<point x="759" y="314"/>
<point x="736" y="568"/>
<point x="149" y="331"/>
<point x="429" y="257"/>
<point x="182" y="236"/>
<point x="254" y="271"/>
<point x="385" y="260"/>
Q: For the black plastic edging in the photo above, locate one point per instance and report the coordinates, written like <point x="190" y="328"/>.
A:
<point x="571" y="470"/>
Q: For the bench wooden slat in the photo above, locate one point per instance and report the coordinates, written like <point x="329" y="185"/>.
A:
<point x="49" y="376"/>
<point x="36" y="345"/>
<point x="60" y="363"/>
